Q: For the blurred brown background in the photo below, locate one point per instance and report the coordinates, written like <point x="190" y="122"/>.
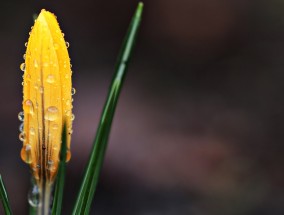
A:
<point x="199" y="125"/>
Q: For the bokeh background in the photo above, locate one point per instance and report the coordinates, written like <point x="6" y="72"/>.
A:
<point x="199" y="125"/>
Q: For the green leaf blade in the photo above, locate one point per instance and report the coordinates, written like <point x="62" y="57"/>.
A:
<point x="90" y="180"/>
<point x="59" y="187"/>
<point x="4" y="198"/>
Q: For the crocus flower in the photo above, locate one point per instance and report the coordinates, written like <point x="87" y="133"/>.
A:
<point x="47" y="98"/>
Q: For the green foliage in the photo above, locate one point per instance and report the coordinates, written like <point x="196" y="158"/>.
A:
<point x="4" y="198"/>
<point x="91" y="177"/>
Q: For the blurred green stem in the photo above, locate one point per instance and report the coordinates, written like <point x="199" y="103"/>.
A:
<point x="4" y="198"/>
<point x="90" y="180"/>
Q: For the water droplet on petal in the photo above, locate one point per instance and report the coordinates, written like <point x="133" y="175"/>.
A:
<point x="22" y="136"/>
<point x="70" y="131"/>
<point x="21" y="116"/>
<point x="28" y="77"/>
<point x="23" y="67"/>
<point x="34" y="196"/>
<point x="51" y="113"/>
<point x="41" y="90"/>
<point x="21" y="127"/>
<point x="26" y="44"/>
<point x="73" y="117"/>
<point x="68" y="113"/>
<point x="50" y="165"/>
<point x="73" y="91"/>
<point x="67" y="44"/>
<point x="26" y="153"/>
<point x="68" y="155"/>
<point x="32" y="131"/>
<point x="35" y="64"/>
<point x="24" y="56"/>
<point x="28" y="106"/>
<point x="50" y="79"/>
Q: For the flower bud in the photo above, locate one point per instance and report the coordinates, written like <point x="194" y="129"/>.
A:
<point x="47" y="99"/>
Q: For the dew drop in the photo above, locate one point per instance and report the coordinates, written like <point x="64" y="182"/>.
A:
<point x="68" y="155"/>
<point x="34" y="196"/>
<point x="32" y="131"/>
<point x="24" y="56"/>
<point x="28" y="147"/>
<point x="68" y="102"/>
<point x="51" y="113"/>
<point x="70" y="131"/>
<point x="41" y="90"/>
<point x="67" y="44"/>
<point x="28" y="106"/>
<point x="50" y="79"/>
<point x="63" y="34"/>
<point x="26" y="44"/>
<point x="26" y="154"/>
<point x="68" y="113"/>
<point x="35" y="64"/>
<point x="22" y="136"/>
<point x="73" y="117"/>
<point x="28" y="77"/>
<point x="23" y="67"/>
<point x="21" y="116"/>
<point x="50" y="165"/>
<point x="73" y="91"/>
<point x="21" y="127"/>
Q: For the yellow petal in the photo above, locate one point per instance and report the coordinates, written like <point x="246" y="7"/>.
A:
<point x="47" y="101"/>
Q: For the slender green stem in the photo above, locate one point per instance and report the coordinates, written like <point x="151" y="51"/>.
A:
<point x="90" y="180"/>
<point x="4" y="198"/>
<point x="58" y="195"/>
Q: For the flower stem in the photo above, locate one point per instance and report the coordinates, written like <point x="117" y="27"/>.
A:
<point x="45" y="199"/>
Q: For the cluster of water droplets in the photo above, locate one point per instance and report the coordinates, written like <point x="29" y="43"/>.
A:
<point x="51" y="113"/>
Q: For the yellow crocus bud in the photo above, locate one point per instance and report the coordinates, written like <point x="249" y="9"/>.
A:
<point x="47" y="98"/>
